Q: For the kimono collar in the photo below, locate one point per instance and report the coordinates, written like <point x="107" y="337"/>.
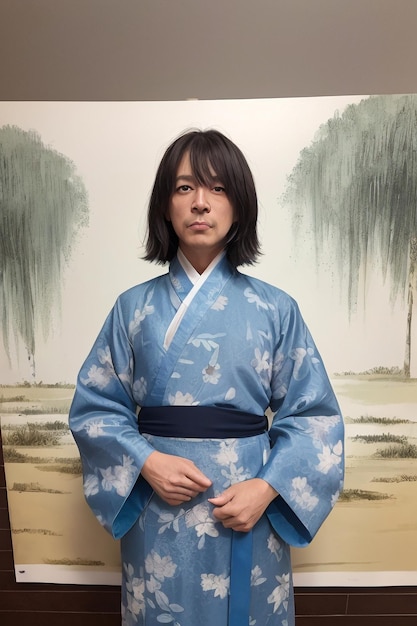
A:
<point x="184" y="277"/>
<point x="191" y="272"/>
<point x="191" y="290"/>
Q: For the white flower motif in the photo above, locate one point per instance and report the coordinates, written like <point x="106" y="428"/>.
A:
<point x="199" y="518"/>
<point x="321" y="425"/>
<point x="281" y="593"/>
<point x="281" y="373"/>
<point x="139" y="315"/>
<point x="335" y="498"/>
<point x="227" y="453"/>
<point x="98" y="377"/>
<point x="135" y="591"/>
<point x="220" y="304"/>
<point x="168" y="520"/>
<point x="122" y="480"/>
<point x="298" y="355"/>
<point x="160" y="567"/>
<point x="140" y="387"/>
<point x="119" y="477"/>
<point x="206" y="340"/>
<point x="218" y="584"/>
<point x="330" y="457"/>
<point x="234" y="475"/>
<point x="230" y="393"/>
<point x="182" y="399"/>
<point x="302" y="494"/>
<point x="91" y="485"/>
<point x="261" y="361"/>
<point x="138" y="588"/>
<point x="153" y="585"/>
<point x="303" y="401"/>
<point x="95" y="428"/>
<point x="108" y="478"/>
<point x="314" y="359"/>
<point x="274" y="546"/>
<point x="211" y="374"/>
<point x="253" y="298"/>
<point x="256" y="577"/>
<point x="104" y="356"/>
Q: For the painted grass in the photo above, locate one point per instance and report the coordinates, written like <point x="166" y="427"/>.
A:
<point x="13" y="399"/>
<point x="31" y="435"/>
<point x="39" y="410"/>
<point x="56" y="425"/>
<point x="383" y="438"/>
<point x="72" y="466"/>
<point x="379" y="370"/>
<point x="35" y="488"/>
<point x="41" y="385"/>
<point x="63" y="465"/>
<point x="369" y="419"/>
<point x="348" y="495"/>
<point x="11" y="455"/>
<point x="35" y="531"/>
<point x="79" y="561"/>
<point x="404" y="478"/>
<point x="405" y="451"/>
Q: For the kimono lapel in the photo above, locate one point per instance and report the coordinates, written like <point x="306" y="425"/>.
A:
<point x="188" y="288"/>
<point x="193" y="302"/>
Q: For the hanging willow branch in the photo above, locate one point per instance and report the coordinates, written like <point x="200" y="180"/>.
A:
<point x="357" y="184"/>
<point x="43" y="203"/>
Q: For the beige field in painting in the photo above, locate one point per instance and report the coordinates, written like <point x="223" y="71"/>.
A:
<point x="50" y="521"/>
<point x="51" y="524"/>
<point x="372" y="535"/>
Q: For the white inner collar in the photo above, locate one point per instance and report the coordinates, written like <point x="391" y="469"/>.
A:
<point x="197" y="281"/>
<point x="191" y="272"/>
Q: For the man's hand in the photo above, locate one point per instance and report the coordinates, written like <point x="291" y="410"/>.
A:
<point x="243" y="504"/>
<point x="173" y="478"/>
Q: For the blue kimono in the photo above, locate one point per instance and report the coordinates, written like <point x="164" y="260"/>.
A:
<point x="222" y="339"/>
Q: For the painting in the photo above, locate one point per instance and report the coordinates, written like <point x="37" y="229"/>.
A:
<point x="337" y="182"/>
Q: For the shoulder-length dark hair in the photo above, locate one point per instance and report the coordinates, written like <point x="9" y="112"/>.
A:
<point x="209" y="151"/>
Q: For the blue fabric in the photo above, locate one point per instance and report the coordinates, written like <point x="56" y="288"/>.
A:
<point x="241" y="345"/>
<point x="240" y="575"/>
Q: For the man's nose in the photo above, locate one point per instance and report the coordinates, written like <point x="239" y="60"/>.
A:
<point x="201" y="202"/>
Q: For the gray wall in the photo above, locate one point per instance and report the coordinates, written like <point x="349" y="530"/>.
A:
<point x="207" y="49"/>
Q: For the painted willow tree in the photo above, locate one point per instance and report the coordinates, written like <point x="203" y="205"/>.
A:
<point x="357" y="184"/>
<point x="43" y="203"/>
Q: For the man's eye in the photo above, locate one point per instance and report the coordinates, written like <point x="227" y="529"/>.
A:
<point x="184" y="188"/>
<point x="218" y="188"/>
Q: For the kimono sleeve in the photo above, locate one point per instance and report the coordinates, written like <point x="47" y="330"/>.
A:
<point x="306" y="463"/>
<point x="103" y="421"/>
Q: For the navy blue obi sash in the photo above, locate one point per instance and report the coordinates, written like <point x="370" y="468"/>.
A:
<point x="202" y="422"/>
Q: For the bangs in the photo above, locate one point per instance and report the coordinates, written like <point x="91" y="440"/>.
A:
<point x="208" y="162"/>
